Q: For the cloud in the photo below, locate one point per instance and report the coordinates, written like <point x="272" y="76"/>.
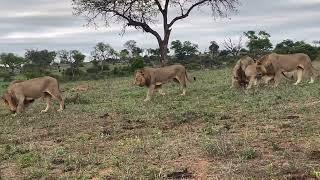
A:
<point x="50" y="24"/>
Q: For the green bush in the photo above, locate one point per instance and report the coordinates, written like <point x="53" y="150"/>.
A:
<point x="137" y="63"/>
<point x="93" y="70"/>
<point x="121" y="71"/>
<point x="6" y="76"/>
<point x="31" y="71"/>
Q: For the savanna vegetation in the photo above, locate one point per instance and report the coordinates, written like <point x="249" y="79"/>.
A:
<point x="108" y="132"/>
<point x="213" y="132"/>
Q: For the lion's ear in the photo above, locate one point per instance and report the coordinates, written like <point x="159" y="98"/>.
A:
<point x="143" y="72"/>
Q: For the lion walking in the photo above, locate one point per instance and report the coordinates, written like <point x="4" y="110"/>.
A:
<point x="154" y="78"/>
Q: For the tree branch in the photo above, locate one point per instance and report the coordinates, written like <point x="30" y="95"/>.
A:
<point x="166" y="5"/>
<point x="159" y="5"/>
<point x="187" y="13"/>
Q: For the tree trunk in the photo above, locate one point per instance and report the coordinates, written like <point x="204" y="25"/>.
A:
<point x="163" y="53"/>
<point x="102" y="64"/>
<point x="163" y="45"/>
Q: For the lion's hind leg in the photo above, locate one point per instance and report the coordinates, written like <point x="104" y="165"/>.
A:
<point x="311" y="80"/>
<point x="299" y="76"/>
<point x="47" y="98"/>
<point x="55" y="93"/>
<point x="312" y="75"/>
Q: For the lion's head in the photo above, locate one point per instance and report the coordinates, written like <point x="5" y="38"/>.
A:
<point x="141" y="78"/>
<point x="264" y="66"/>
<point x="10" y="102"/>
<point x="245" y="62"/>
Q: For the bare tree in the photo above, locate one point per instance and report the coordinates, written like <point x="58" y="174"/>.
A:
<point x="234" y="47"/>
<point x="142" y="13"/>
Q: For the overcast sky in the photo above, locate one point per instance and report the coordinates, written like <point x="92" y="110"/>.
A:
<point x="49" y="24"/>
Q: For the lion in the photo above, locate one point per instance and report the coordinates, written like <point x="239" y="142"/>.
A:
<point x="154" y="78"/>
<point x="275" y="65"/>
<point x="251" y="75"/>
<point x="239" y="78"/>
<point x="20" y="94"/>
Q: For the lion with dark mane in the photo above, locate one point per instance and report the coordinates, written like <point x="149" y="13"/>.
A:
<point x="154" y="78"/>
<point x="243" y="74"/>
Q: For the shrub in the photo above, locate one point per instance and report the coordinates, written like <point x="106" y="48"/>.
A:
<point x="121" y="71"/>
<point x="249" y="153"/>
<point x="218" y="147"/>
<point x="93" y="70"/>
<point x="6" y="76"/>
<point x="73" y="72"/>
<point x="137" y="63"/>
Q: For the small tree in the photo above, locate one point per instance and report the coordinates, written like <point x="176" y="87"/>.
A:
<point x="142" y="13"/>
<point x="41" y="59"/>
<point x="233" y="47"/>
<point x="102" y="54"/>
<point x="12" y="61"/>
<point x="259" y="44"/>
<point x="182" y="50"/>
<point x="154" y="52"/>
<point x="213" y="49"/>
<point x="74" y="58"/>
<point x="124" y="55"/>
<point x="289" y="47"/>
<point x="131" y="45"/>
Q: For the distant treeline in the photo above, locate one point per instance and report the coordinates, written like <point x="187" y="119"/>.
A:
<point x="106" y="61"/>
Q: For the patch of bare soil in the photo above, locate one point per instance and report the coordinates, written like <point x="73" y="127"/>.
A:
<point x="200" y="169"/>
<point x="300" y="176"/>
<point x="9" y="171"/>
<point x="105" y="174"/>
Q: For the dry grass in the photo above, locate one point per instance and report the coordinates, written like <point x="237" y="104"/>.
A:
<point x="214" y="132"/>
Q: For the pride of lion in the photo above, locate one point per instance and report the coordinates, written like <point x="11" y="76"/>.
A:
<point x="272" y="67"/>
<point x="246" y="73"/>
